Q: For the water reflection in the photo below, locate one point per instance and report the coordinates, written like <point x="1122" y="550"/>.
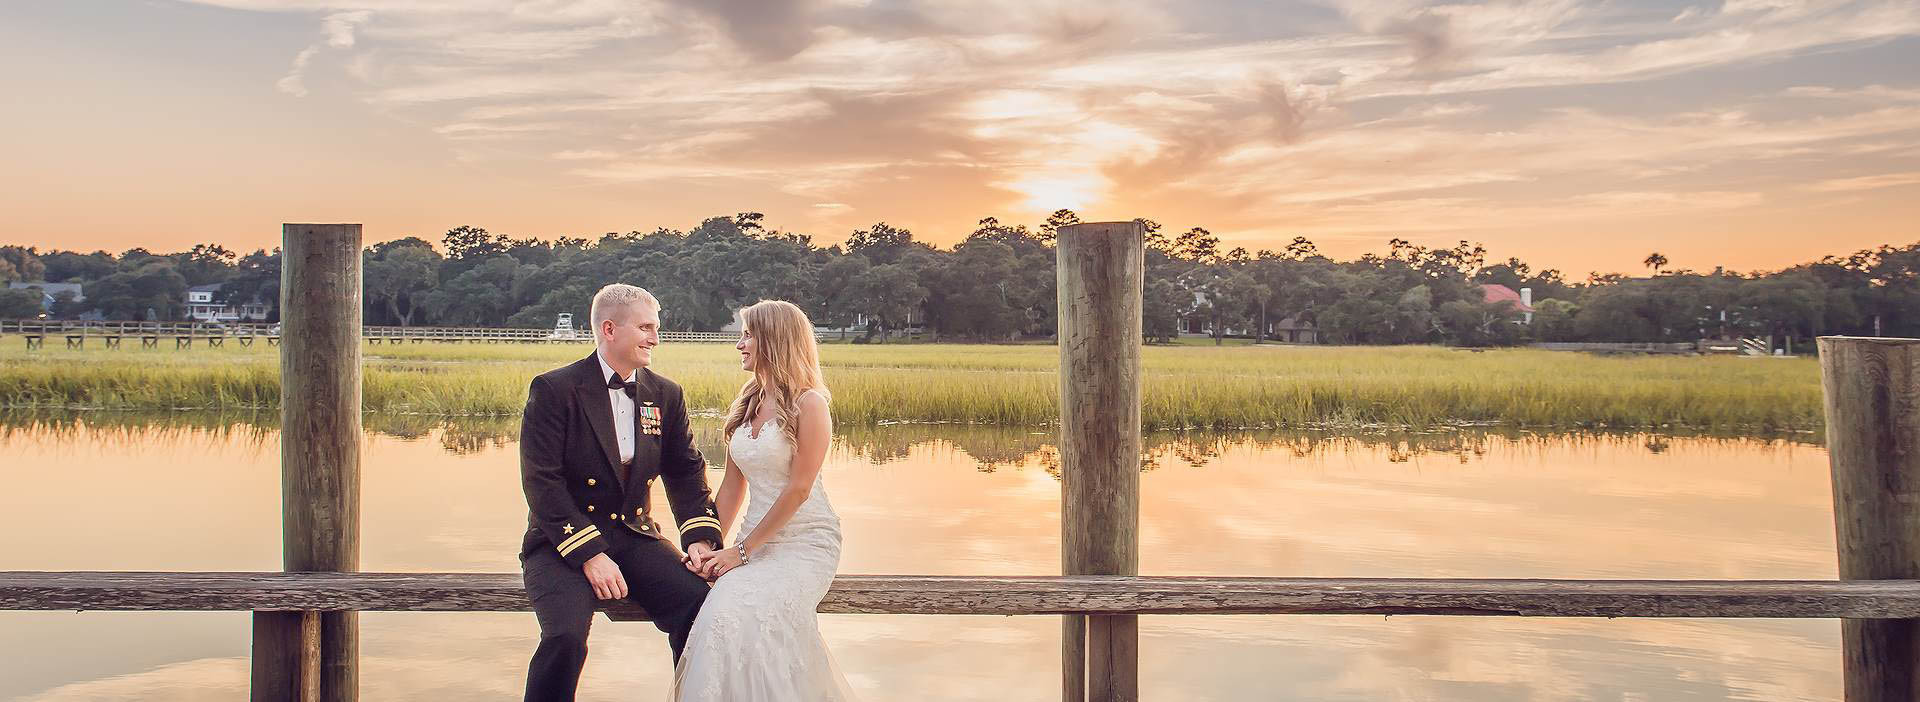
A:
<point x="991" y="447"/>
<point x="190" y="491"/>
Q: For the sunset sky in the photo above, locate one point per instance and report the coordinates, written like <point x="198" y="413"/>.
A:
<point x="1748" y="133"/>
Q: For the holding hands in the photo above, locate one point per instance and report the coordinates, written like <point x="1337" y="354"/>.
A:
<point x="708" y="563"/>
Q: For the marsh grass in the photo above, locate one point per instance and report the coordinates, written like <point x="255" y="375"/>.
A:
<point x="1184" y="387"/>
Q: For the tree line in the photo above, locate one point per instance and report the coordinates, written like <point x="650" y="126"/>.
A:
<point x="998" y="285"/>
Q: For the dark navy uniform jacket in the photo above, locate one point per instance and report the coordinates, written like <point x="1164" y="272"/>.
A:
<point x="570" y="464"/>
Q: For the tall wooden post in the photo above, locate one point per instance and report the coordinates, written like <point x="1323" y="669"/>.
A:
<point x="1101" y="267"/>
<point x="319" y="459"/>
<point x="1873" y="442"/>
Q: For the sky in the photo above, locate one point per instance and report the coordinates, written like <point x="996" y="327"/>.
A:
<point x="1751" y="134"/>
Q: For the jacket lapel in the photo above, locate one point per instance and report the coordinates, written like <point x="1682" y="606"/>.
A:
<point x="599" y="408"/>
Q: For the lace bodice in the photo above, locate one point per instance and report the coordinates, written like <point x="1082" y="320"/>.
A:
<point x="767" y="461"/>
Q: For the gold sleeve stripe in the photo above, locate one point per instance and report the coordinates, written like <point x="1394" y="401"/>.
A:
<point x="577" y="539"/>
<point x="698" y="522"/>
<point x="580" y="536"/>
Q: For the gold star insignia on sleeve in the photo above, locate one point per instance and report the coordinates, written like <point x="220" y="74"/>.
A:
<point x="566" y="528"/>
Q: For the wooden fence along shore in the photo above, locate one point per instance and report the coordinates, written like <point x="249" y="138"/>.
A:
<point x="185" y="334"/>
<point x="305" y="634"/>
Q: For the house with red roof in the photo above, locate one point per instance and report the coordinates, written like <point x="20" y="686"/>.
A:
<point x="1522" y="301"/>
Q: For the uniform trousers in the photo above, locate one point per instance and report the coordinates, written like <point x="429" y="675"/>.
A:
<point x="564" y="603"/>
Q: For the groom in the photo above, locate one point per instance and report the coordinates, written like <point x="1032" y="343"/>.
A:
<point x="595" y="435"/>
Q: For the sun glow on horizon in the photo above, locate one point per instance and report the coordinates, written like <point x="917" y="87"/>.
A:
<point x="1058" y="191"/>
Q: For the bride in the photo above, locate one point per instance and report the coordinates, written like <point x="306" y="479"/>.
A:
<point x="757" y="637"/>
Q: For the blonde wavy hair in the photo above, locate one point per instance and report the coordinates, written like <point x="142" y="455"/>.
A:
<point x="786" y="365"/>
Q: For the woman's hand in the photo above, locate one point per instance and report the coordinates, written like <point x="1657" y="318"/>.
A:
<point x="721" y="561"/>
<point x="697" y="554"/>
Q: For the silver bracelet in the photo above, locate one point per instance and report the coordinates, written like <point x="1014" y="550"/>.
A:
<point x="742" y="546"/>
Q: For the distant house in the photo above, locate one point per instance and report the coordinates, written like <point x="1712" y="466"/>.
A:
<point x="915" y="321"/>
<point x="1522" y="301"/>
<point x="50" y="292"/>
<point x="1289" y="330"/>
<point x="201" y="306"/>
<point x="1293" y="331"/>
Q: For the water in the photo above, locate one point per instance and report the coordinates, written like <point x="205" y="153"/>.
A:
<point x="202" y="493"/>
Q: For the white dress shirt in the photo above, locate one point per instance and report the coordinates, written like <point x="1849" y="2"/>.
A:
<point x="622" y="409"/>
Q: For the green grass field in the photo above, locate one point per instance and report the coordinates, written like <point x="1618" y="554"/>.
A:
<point x="1186" y="387"/>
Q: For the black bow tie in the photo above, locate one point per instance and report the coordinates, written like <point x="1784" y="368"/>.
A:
<point x="615" y="383"/>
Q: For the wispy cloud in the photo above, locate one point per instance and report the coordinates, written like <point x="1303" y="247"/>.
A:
<point x="294" y="83"/>
<point x="338" y="33"/>
<point x="1872" y="182"/>
<point x="339" y="27"/>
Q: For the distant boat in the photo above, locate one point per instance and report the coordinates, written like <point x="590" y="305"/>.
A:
<point x="563" y="328"/>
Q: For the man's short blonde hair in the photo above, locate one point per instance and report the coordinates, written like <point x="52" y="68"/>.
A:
<point x="617" y="298"/>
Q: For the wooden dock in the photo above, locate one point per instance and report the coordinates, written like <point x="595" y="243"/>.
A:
<point x="305" y="644"/>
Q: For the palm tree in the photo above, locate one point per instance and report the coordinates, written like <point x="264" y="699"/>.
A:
<point x="1656" y="261"/>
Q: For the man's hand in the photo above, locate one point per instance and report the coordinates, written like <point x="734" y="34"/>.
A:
<point x="605" y="577"/>
<point x="697" y="554"/>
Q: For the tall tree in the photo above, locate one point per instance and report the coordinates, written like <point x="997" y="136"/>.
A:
<point x="1160" y="306"/>
<point x="1157" y="241"/>
<point x="1197" y="245"/>
<point x="880" y="243"/>
<point x="154" y="291"/>
<point x="478" y="297"/>
<point x="1301" y="249"/>
<point x="71" y="267"/>
<point x="839" y="291"/>
<point x="204" y="264"/>
<point x="256" y="277"/>
<point x="1050" y="229"/>
<point x="398" y="275"/>
<point x="22" y="303"/>
<point x="19" y="263"/>
<point x="887" y="293"/>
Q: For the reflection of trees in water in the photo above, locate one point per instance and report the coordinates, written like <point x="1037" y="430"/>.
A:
<point x="991" y="448"/>
<point x="459" y="435"/>
<point x="466" y="435"/>
<point x="997" y="448"/>
<point x="136" y="428"/>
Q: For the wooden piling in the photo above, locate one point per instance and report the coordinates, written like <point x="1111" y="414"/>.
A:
<point x="1101" y="268"/>
<point x="1873" y="442"/>
<point x="320" y="450"/>
<point x="282" y="671"/>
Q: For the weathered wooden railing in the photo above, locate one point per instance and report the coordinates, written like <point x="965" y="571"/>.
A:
<point x="1001" y="595"/>
<point x="1621" y="346"/>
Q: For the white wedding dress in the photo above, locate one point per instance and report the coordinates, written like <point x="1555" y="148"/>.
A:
<point x="757" y="638"/>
